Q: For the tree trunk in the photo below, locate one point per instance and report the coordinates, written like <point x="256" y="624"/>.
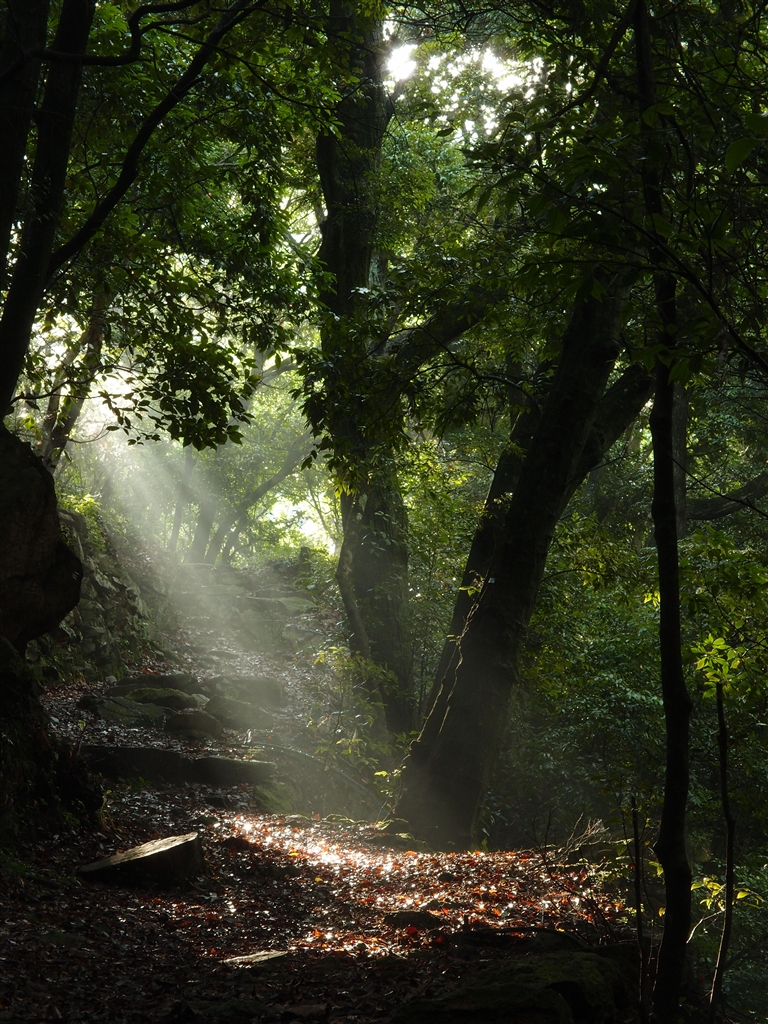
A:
<point x="373" y="563"/>
<point x="205" y="516"/>
<point x="618" y="408"/>
<point x="54" y="131"/>
<point x="293" y="458"/>
<point x="373" y="580"/>
<point x="445" y="777"/>
<point x="670" y="846"/>
<point x="668" y="453"/>
<point x="63" y="413"/>
<point x="183" y="496"/>
<point x="680" y="456"/>
<point x="25" y="27"/>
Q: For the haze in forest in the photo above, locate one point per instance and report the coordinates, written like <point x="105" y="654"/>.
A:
<point x="444" y="327"/>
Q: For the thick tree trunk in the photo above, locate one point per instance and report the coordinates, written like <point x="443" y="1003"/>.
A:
<point x="373" y="581"/>
<point x="618" y="408"/>
<point x="373" y="563"/>
<point x="24" y="28"/>
<point x="680" y="456"/>
<point x="54" y="131"/>
<point x="445" y="778"/>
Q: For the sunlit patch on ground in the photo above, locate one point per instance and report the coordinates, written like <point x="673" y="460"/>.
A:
<point x="316" y="892"/>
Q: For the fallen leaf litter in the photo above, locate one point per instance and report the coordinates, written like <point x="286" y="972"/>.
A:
<point x="309" y="905"/>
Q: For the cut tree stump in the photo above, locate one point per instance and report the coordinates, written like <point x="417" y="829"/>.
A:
<point x="162" y="862"/>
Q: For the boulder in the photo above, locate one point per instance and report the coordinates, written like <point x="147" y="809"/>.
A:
<point x="297" y="605"/>
<point x="230" y="771"/>
<point x="157" y="765"/>
<point x="39" y="575"/>
<point x="175" y="680"/>
<point x="111" y="620"/>
<point x="163" y="697"/>
<point x="194" y="725"/>
<point x="151" y="763"/>
<point x="237" y="714"/>
<point x="130" y="712"/>
<point x="552" y="988"/>
<point x="267" y="691"/>
<point x="170" y="861"/>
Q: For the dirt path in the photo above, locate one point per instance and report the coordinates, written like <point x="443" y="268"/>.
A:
<point x="343" y="921"/>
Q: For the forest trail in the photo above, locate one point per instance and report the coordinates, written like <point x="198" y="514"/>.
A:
<point x="298" y="916"/>
<point x="358" y="923"/>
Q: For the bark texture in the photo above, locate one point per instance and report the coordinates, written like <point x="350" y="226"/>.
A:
<point x="24" y="27"/>
<point x="448" y="768"/>
<point x="668" y="436"/>
<point x="373" y="562"/>
<point x="671" y="846"/>
<point x="55" y="120"/>
<point x="39" y="575"/>
<point x="618" y="407"/>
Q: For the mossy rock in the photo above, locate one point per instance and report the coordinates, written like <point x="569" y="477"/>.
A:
<point x="163" y="697"/>
<point x="266" y="691"/>
<point x="195" y="725"/>
<point x="129" y="712"/>
<point x="237" y="714"/>
<point x="184" y="681"/>
<point x="550" y="988"/>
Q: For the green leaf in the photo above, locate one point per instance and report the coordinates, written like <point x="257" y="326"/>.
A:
<point x="662" y="226"/>
<point x="738" y="152"/>
<point x="652" y="114"/>
<point x="757" y="123"/>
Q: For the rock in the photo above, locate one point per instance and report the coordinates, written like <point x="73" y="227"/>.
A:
<point x="111" y="618"/>
<point x="263" y="690"/>
<point x="229" y="771"/>
<point x="184" y="681"/>
<point x="301" y="634"/>
<point x="130" y="712"/>
<point x="163" y="697"/>
<point x="170" y="861"/>
<point x="157" y="765"/>
<point x="237" y="714"/>
<point x="151" y="763"/>
<point x="39" y="575"/>
<point x="197" y="725"/>
<point x="552" y="988"/>
<point x="297" y="605"/>
<point x="250" y="959"/>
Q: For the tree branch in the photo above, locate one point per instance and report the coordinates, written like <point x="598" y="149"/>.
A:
<point x="236" y="13"/>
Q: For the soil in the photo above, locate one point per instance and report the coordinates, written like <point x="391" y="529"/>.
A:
<point x="300" y="915"/>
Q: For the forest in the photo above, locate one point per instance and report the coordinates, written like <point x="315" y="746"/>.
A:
<point x="382" y="499"/>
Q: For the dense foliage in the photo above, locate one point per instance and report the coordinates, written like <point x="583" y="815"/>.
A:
<point x="197" y="366"/>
